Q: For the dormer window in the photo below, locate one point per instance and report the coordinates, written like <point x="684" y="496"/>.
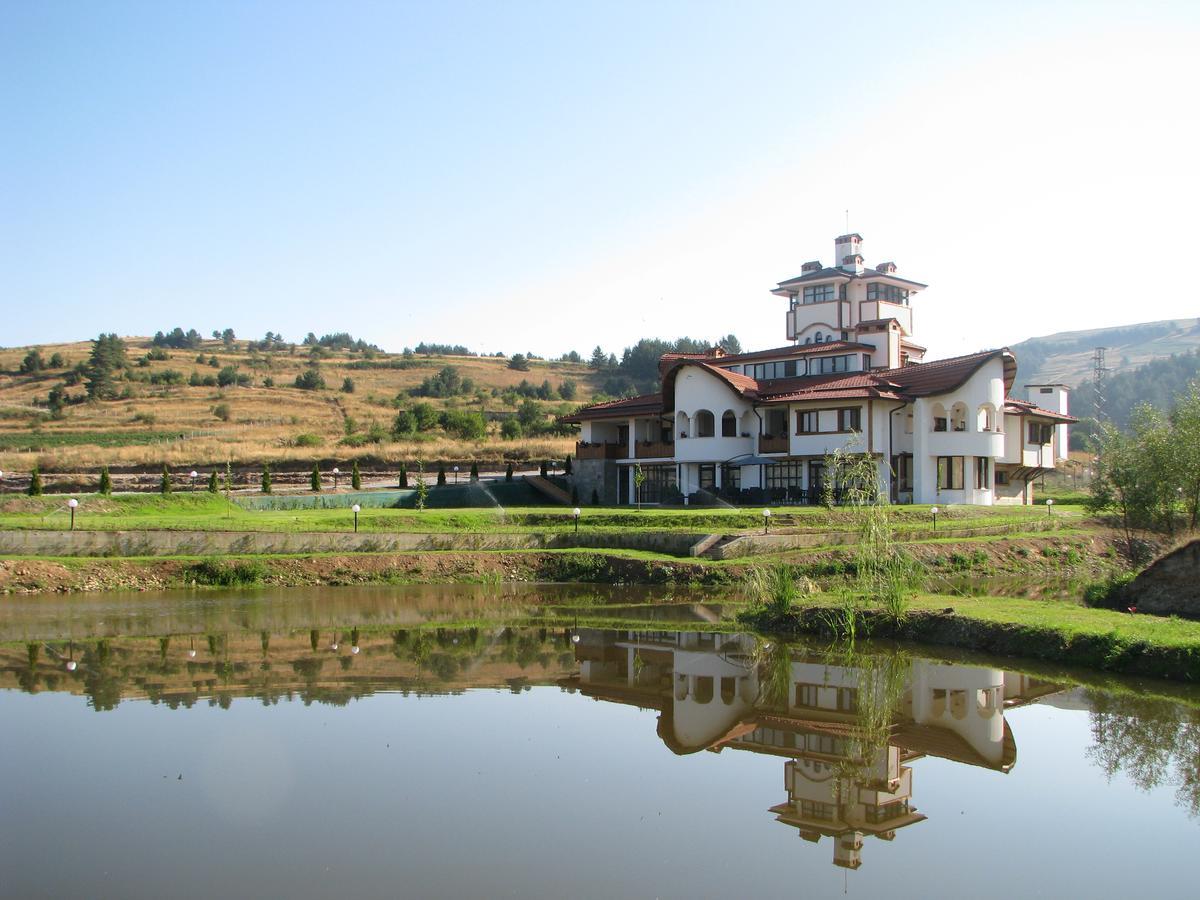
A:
<point x="818" y="293"/>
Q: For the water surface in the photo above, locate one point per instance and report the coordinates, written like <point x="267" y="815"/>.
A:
<point x="359" y="743"/>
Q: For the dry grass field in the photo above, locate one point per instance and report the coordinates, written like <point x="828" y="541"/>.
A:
<point x="268" y="419"/>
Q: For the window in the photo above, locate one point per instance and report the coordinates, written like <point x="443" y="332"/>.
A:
<point x="1040" y="433"/>
<point x="850" y="419"/>
<point x="841" y="292"/>
<point x="818" y="293"/>
<point x="807" y="422"/>
<point x="808" y="695"/>
<point x="847" y="699"/>
<point x="950" y="473"/>
<point x="708" y="476"/>
<point x="731" y="477"/>
<point x="827" y="365"/>
<point x="877" y="815"/>
<point x="1001" y="477"/>
<point x="877" y="290"/>
<point x="659" y="482"/>
<point x="767" y="371"/>
<point x="812" y="809"/>
<point x="728" y="424"/>
<point x="982" y="472"/>
<point x="958" y="417"/>
<point x="866" y="361"/>
<point x="904" y="469"/>
<point x="986" y="418"/>
<point x="705" y="424"/>
<point x="939" y="423"/>
<point x="785" y="475"/>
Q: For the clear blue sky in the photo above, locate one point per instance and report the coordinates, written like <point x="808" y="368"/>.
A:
<point x="549" y="176"/>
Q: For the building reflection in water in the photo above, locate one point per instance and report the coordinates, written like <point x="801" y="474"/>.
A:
<point x="848" y="728"/>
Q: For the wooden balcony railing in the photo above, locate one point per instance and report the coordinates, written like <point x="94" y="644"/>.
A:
<point x="654" y="449"/>
<point x="768" y="444"/>
<point x="584" y="450"/>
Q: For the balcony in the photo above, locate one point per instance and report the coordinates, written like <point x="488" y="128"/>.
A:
<point x="585" y="450"/>
<point x="769" y="444"/>
<point x="654" y="449"/>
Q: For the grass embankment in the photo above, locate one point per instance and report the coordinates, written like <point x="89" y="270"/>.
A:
<point x="1048" y="630"/>
<point x="202" y="511"/>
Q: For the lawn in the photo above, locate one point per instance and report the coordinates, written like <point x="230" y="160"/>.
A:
<point x="201" y="511"/>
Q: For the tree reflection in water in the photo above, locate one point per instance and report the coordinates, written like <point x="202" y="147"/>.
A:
<point x="1153" y="742"/>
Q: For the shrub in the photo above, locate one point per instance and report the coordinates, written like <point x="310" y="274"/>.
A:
<point x="510" y="429"/>
<point x="164" y="484"/>
<point x="32" y="362"/>
<point x="347" y="385"/>
<point x="145" y="418"/>
<point x="56" y="362"/>
<point x="441" y="474"/>
<point x="355" y="477"/>
<point x="266" y="479"/>
<point x="405" y="423"/>
<point x="568" y="390"/>
<point x="310" y="380"/>
<point x="467" y="426"/>
<point x="307" y="439"/>
<point x="426" y="416"/>
<point x="214" y="486"/>
<point x="227" y="376"/>
<point x="35" y="483"/>
<point x="221" y="574"/>
<point x="105" y="482"/>
<point x="518" y="363"/>
<point x="1108" y="594"/>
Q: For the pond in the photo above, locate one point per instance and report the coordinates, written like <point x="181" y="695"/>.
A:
<point x="433" y="742"/>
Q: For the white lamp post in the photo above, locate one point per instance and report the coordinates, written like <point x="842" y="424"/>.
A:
<point x="766" y="520"/>
<point x="336" y="473"/>
<point x="1049" y="506"/>
<point x="934" y="510"/>
<point x="575" y="638"/>
<point x="193" y="474"/>
<point x="71" y="504"/>
<point x="355" y="649"/>
<point x="356" y="509"/>
<point x="456" y="474"/>
<point x="576" y="512"/>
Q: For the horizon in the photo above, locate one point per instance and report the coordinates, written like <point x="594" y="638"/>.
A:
<point x="490" y="178"/>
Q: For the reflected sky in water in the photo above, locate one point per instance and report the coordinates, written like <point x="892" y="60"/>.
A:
<point x="518" y="761"/>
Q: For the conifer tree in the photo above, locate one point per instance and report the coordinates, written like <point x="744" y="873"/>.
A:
<point x="105" y="482"/>
<point x="474" y="471"/>
<point x="567" y="465"/>
<point x="355" y="477"/>
<point x="403" y="481"/>
<point x="314" y="481"/>
<point x="213" y="486"/>
<point x="441" y="476"/>
<point x="35" y="483"/>
<point x="266" y="479"/>
<point x="164" y="485"/>
<point x="508" y="472"/>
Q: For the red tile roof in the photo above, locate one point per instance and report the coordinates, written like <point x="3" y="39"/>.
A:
<point x="905" y="383"/>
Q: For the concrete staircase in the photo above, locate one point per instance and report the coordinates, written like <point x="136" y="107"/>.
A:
<point x="548" y="489"/>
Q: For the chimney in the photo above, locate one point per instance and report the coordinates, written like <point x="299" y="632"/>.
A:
<point x="814" y="266"/>
<point x="847" y="249"/>
<point x="886" y="268"/>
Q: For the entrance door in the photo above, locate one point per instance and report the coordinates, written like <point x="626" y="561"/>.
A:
<point x="623" y="477"/>
<point x="816" y="481"/>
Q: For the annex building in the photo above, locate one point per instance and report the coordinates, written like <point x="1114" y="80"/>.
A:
<point x="757" y="427"/>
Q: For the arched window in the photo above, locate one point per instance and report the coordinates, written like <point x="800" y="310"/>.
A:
<point x="705" y="424"/>
<point x="808" y="340"/>
<point x="958" y="417"/>
<point x="681" y="424"/>
<point x="986" y="418"/>
<point x="820" y="337"/>
<point x="704" y="689"/>
<point x="729" y="424"/>
<point x="940" y="422"/>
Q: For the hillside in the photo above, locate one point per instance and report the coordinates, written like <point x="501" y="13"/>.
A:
<point x="1067" y="357"/>
<point x="215" y="402"/>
